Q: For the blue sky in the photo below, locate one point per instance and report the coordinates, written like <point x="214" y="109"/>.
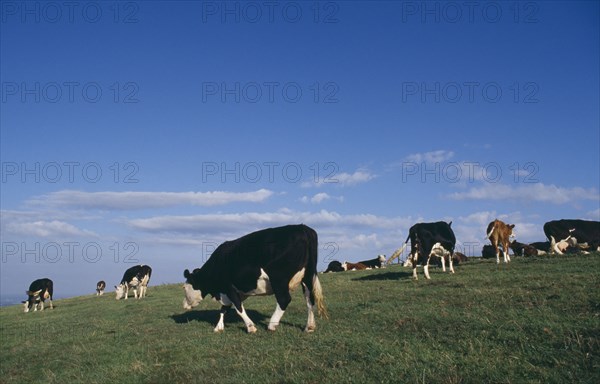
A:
<point x="150" y="132"/>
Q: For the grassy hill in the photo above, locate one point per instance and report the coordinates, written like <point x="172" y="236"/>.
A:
<point x="537" y="321"/>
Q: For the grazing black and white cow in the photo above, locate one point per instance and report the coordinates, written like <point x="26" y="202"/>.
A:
<point x="334" y="266"/>
<point x="39" y="291"/>
<point x="135" y="277"/>
<point x="426" y="240"/>
<point x="500" y="234"/>
<point x="378" y="262"/>
<point x="564" y="233"/>
<point x="269" y="261"/>
<point x="100" y="286"/>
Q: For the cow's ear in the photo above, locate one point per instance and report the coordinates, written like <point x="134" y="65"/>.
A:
<point x="450" y="224"/>
<point x="512" y="226"/>
<point x="116" y="287"/>
<point x="186" y="273"/>
<point x="28" y="293"/>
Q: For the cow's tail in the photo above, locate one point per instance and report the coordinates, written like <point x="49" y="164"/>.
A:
<point x="490" y="232"/>
<point x="319" y="298"/>
<point x="317" y="290"/>
<point x="398" y="252"/>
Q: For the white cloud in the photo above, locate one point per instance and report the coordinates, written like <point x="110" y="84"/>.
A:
<point x="530" y="192"/>
<point x="29" y="224"/>
<point x="430" y="157"/>
<point x="144" y="200"/>
<point x="343" y="179"/>
<point x="320" y="198"/>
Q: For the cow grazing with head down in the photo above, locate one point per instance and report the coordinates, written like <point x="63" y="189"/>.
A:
<point x="427" y="240"/>
<point x="39" y="291"/>
<point x="500" y="234"/>
<point x="378" y="262"/>
<point x="270" y="261"/>
<point x="575" y="233"/>
<point x="334" y="266"/>
<point x="100" y="286"/>
<point x="135" y="277"/>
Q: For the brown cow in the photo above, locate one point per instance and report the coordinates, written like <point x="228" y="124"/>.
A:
<point x="353" y="266"/>
<point x="500" y="233"/>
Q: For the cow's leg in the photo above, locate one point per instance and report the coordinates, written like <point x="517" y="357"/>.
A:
<point x="426" y="268"/>
<point x="221" y="324"/>
<point x="414" y="266"/>
<point x="497" y="252"/>
<point x="235" y="299"/>
<point x="41" y="305"/>
<point x="310" y="323"/>
<point x="249" y="324"/>
<point x="450" y="262"/>
<point x="506" y="255"/>
<point x="554" y="246"/>
<point x="51" y="306"/>
<point x="443" y="264"/>
<point x="126" y="289"/>
<point x="282" y="295"/>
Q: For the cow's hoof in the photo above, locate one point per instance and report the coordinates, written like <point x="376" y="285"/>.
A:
<point x="309" y="329"/>
<point x="218" y="330"/>
<point x="252" y="329"/>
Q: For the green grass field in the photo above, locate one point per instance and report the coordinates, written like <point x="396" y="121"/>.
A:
<point x="536" y="321"/>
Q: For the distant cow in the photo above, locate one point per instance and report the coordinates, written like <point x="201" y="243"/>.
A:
<point x="39" y="291"/>
<point x="378" y="262"/>
<point x="266" y="262"/>
<point x="427" y="240"/>
<point x="563" y="233"/>
<point x="499" y="234"/>
<point x="334" y="266"/>
<point x="542" y="247"/>
<point x="100" y="286"/>
<point x="522" y="249"/>
<point x="135" y="277"/>
<point x="489" y="252"/>
<point x="353" y="266"/>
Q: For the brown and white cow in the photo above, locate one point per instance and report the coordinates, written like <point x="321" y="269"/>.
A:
<point x="500" y="233"/>
<point x="353" y="266"/>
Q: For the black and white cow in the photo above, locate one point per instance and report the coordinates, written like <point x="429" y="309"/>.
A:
<point x="39" y="291"/>
<point x="135" y="277"/>
<point x="378" y="262"/>
<point x="564" y="233"/>
<point x="334" y="266"/>
<point x="270" y="261"/>
<point x="100" y="286"/>
<point x="426" y="240"/>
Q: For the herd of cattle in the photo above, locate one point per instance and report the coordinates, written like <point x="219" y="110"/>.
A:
<point x="275" y="261"/>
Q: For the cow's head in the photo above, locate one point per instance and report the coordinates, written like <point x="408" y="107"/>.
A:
<point x="33" y="300"/>
<point x="511" y="231"/>
<point x="119" y="291"/>
<point x="193" y="296"/>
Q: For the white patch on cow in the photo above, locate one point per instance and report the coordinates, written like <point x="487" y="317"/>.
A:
<point x="296" y="279"/>
<point x="192" y="297"/>
<point x="275" y="318"/>
<point x="263" y="285"/>
<point x="250" y="327"/>
<point x="310" y="323"/>
<point x="345" y="266"/>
